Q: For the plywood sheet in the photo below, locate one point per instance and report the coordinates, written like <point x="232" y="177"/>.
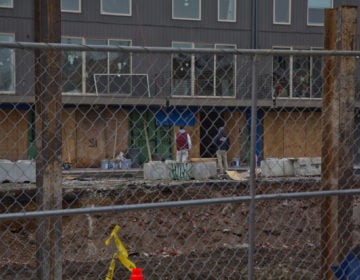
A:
<point x="14" y="134"/>
<point x="90" y="140"/>
<point x="294" y="135"/>
<point x="274" y="123"/>
<point x="313" y="134"/>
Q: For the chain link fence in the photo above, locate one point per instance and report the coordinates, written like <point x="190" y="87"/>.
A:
<point x="95" y="125"/>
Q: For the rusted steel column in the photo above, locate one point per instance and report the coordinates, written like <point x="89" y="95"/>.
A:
<point x="338" y="142"/>
<point x="48" y="106"/>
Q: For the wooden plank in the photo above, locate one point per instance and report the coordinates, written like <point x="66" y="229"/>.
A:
<point x="90" y="140"/>
<point x="313" y="129"/>
<point x="294" y="135"/>
<point x="274" y="123"/>
<point x="14" y="140"/>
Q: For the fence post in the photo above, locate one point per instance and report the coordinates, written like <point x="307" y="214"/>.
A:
<point x="48" y="105"/>
<point x="337" y="136"/>
<point x="253" y="166"/>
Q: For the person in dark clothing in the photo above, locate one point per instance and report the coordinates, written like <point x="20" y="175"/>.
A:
<point x="222" y="143"/>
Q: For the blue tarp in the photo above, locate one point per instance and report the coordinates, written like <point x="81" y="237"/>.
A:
<point x="349" y="269"/>
<point x="180" y="116"/>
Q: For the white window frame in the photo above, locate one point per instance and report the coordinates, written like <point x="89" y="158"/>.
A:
<point x="291" y="74"/>
<point x="220" y="46"/>
<point x="180" y="18"/>
<point x="12" y="35"/>
<point x="288" y="22"/>
<point x="72" y="11"/>
<point x="10" y="5"/>
<point x="83" y="78"/>
<point x="234" y="12"/>
<point x="116" y="14"/>
<point x="192" y="71"/>
<point x="308" y="9"/>
<point x="108" y="40"/>
<point x="130" y="54"/>
<point x="193" y="74"/>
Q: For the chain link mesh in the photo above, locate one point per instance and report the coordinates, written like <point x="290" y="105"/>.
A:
<point x="120" y="110"/>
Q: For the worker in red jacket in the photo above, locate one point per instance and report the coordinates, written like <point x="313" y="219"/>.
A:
<point x="183" y="145"/>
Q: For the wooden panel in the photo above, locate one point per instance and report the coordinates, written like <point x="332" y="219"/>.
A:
<point x="116" y="132"/>
<point x="294" y="135"/>
<point x="90" y="141"/>
<point x="69" y="136"/>
<point x="235" y="127"/>
<point x="274" y="134"/>
<point x="313" y="134"/>
<point x="14" y="134"/>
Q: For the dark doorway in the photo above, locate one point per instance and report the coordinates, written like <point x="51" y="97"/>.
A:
<point x="209" y="125"/>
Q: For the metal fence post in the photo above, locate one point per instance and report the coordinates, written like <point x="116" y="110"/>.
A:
<point x="252" y="170"/>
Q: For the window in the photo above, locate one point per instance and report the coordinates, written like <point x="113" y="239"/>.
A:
<point x="95" y="71"/>
<point x="181" y="71"/>
<point x="281" y="75"/>
<point x="72" y="62"/>
<point x="6" y="4"/>
<point x="297" y="76"/>
<point x="100" y="64"/>
<point x="316" y="11"/>
<point x="203" y="74"/>
<point x="7" y="60"/>
<point x="72" y="6"/>
<point x="227" y="10"/>
<point x="225" y="72"/>
<point x="282" y="12"/>
<point x="116" y="7"/>
<point x="186" y="9"/>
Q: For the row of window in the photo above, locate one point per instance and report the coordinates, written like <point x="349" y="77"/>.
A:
<point x="315" y="11"/>
<point x="191" y="9"/>
<point x="199" y="74"/>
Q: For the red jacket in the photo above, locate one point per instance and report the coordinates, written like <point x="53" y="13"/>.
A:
<point x="182" y="141"/>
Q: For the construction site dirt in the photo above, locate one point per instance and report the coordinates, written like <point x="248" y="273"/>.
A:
<point x="204" y="241"/>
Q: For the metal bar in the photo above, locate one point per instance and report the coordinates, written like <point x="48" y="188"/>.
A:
<point x="136" y="49"/>
<point x="182" y="203"/>
<point x="253" y="166"/>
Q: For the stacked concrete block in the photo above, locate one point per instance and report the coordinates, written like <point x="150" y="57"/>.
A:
<point x="156" y="170"/>
<point x="159" y="170"/>
<point x="277" y="167"/>
<point x="307" y="166"/>
<point x="203" y="170"/>
<point x="17" y="172"/>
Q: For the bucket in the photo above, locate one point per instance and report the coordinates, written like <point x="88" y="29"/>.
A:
<point x="125" y="163"/>
<point x="236" y="162"/>
<point x="104" y="164"/>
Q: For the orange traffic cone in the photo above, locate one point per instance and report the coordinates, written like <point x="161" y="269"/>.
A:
<point x="136" y="274"/>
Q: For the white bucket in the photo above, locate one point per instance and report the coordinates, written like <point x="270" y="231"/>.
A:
<point x="104" y="164"/>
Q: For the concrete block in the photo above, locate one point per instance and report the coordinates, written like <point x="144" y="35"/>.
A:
<point x="17" y="172"/>
<point x="277" y="167"/>
<point x="28" y="170"/>
<point x="5" y="167"/>
<point x="307" y="166"/>
<point x="156" y="170"/>
<point x="204" y="170"/>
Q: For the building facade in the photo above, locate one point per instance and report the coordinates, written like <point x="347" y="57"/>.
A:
<point x="202" y="91"/>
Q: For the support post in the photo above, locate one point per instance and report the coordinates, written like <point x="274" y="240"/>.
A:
<point x="337" y="136"/>
<point x="48" y="106"/>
